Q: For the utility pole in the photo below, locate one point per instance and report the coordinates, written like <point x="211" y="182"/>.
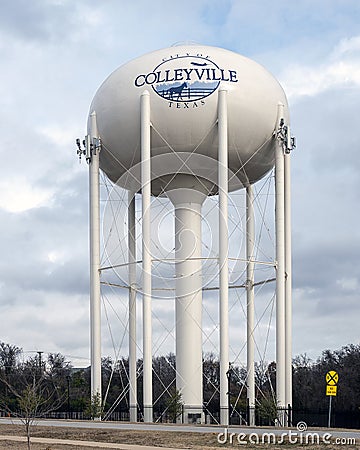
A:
<point x="40" y="363"/>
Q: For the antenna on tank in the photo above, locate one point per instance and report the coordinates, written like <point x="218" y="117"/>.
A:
<point x="284" y="135"/>
<point x="88" y="149"/>
<point x="80" y="151"/>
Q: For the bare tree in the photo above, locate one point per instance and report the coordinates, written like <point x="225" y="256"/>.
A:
<point x="31" y="392"/>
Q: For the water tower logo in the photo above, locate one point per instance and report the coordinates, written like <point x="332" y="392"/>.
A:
<point x="186" y="79"/>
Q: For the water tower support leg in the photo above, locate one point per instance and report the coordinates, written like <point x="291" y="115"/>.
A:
<point x="132" y="307"/>
<point x="280" y="276"/>
<point x="223" y="256"/>
<point x="188" y="302"/>
<point x="146" y="255"/>
<point x="250" y="239"/>
<point x="288" y="283"/>
<point x="95" y="302"/>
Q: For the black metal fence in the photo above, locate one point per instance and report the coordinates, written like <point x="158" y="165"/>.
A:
<point x="319" y="418"/>
<point x="291" y="417"/>
<point x="313" y="418"/>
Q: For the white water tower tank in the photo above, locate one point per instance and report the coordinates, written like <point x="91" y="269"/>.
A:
<point x="183" y="82"/>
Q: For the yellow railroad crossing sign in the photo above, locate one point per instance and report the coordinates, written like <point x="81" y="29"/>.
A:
<point x="332" y="378"/>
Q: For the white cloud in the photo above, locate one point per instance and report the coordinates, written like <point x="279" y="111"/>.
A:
<point x="55" y="322"/>
<point x="348" y="284"/>
<point x="346" y="47"/>
<point x="59" y="135"/>
<point x="300" y="81"/>
<point x="18" y="195"/>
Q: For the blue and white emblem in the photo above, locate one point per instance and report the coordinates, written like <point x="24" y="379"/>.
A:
<point x="192" y="79"/>
<point x="192" y="83"/>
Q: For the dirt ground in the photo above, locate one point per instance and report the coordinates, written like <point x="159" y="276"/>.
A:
<point x="194" y="441"/>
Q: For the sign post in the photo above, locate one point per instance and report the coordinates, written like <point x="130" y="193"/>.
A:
<point x="332" y="379"/>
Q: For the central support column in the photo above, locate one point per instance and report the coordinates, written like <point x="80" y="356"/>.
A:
<point x="188" y="304"/>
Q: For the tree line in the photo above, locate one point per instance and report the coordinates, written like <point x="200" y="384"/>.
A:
<point x="52" y="383"/>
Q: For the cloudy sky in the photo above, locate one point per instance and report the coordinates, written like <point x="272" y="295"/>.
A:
<point x="55" y="54"/>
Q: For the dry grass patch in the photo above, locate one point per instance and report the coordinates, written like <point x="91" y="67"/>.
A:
<point x="172" y="439"/>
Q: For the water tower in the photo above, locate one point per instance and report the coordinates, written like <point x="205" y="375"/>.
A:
<point x="187" y="122"/>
